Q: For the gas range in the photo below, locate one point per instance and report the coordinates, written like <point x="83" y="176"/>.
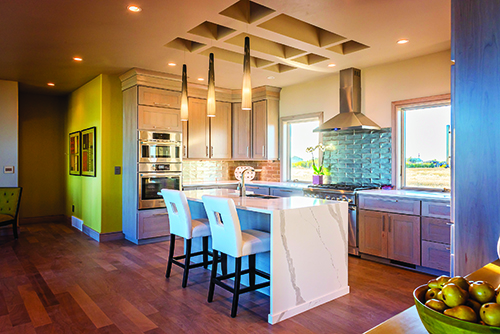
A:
<point x="339" y="192"/>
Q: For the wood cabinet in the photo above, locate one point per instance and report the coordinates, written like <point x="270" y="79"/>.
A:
<point x="258" y="189"/>
<point x="208" y="137"/>
<point x="395" y="205"/>
<point x="436" y="255"/>
<point x="153" y="223"/>
<point x="185" y="135"/>
<point x="242" y="132"/>
<point x="436" y="209"/>
<point x="392" y="236"/>
<point x="285" y="192"/>
<point x="152" y="118"/>
<point x="259" y="130"/>
<point x="156" y="97"/>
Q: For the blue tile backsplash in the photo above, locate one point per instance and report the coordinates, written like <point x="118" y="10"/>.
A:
<point x="358" y="156"/>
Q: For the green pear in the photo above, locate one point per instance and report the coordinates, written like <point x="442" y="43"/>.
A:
<point x="442" y="280"/>
<point x="433" y="284"/>
<point x="490" y="314"/>
<point x="497" y="294"/>
<point x="440" y="296"/>
<point x="474" y="305"/>
<point x="460" y="281"/>
<point x="436" y="305"/>
<point x="432" y="293"/>
<point x="453" y="295"/>
<point x="481" y="291"/>
<point x="462" y="312"/>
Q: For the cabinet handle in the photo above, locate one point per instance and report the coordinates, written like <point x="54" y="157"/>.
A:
<point x="391" y="200"/>
<point x="447" y="248"/>
<point x="207" y="151"/>
<point x="248" y="156"/>
<point x="212" y="151"/>
<point x="383" y="223"/>
<point x="184" y="153"/>
<point x="389" y="224"/>
<point x="448" y="205"/>
<point x="450" y="224"/>
<point x="161" y="104"/>
<point x="160" y="214"/>
<point x="263" y="150"/>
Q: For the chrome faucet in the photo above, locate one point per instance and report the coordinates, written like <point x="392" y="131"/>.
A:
<point x="243" y="189"/>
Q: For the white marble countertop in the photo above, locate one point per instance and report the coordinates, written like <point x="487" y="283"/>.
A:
<point x="259" y="204"/>
<point x="413" y="194"/>
<point x="290" y="185"/>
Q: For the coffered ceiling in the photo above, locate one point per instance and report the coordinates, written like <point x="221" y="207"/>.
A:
<point x="291" y="40"/>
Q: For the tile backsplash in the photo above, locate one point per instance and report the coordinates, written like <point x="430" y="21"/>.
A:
<point x="358" y="156"/>
<point x="222" y="170"/>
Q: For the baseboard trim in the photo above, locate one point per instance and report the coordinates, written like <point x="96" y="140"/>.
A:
<point x="42" y="219"/>
<point x="102" y="237"/>
<point x="149" y="240"/>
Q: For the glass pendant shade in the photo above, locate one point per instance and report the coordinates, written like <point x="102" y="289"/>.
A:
<point x="211" y="87"/>
<point x="246" y="91"/>
<point x="184" y="95"/>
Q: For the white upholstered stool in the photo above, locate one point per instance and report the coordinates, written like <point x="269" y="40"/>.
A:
<point x="228" y="238"/>
<point x="183" y="226"/>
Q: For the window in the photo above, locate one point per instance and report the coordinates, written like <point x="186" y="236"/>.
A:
<point x="423" y="143"/>
<point x="298" y="135"/>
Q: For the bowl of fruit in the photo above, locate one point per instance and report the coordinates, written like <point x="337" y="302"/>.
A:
<point x="456" y="305"/>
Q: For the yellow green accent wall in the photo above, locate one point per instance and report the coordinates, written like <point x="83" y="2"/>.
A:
<point x="97" y="200"/>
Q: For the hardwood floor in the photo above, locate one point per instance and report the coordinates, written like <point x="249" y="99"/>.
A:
<point x="55" y="279"/>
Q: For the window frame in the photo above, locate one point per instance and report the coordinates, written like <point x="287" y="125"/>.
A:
<point x="397" y="135"/>
<point x="285" y="142"/>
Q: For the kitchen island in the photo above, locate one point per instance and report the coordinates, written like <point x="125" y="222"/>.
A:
<point x="308" y="258"/>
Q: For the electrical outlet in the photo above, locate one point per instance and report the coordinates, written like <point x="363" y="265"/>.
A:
<point x="118" y="170"/>
<point x="72" y="208"/>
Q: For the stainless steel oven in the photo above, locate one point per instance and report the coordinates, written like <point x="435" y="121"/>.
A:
<point x="160" y="147"/>
<point x="155" y="177"/>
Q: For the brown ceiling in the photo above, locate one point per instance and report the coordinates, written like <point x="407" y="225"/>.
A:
<point x="39" y="38"/>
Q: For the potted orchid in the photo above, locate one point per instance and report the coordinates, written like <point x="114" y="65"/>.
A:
<point x="319" y="170"/>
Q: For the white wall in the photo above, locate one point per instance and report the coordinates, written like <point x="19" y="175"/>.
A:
<point x="8" y="132"/>
<point x="380" y="85"/>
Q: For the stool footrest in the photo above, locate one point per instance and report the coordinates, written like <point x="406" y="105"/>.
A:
<point x="255" y="287"/>
<point x="262" y="274"/>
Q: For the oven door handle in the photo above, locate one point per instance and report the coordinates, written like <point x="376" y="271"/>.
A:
<point x="164" y="143"/>
<point x="160" y="174"/>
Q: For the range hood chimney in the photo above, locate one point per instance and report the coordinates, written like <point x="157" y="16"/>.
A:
<point x="350" y="117"/>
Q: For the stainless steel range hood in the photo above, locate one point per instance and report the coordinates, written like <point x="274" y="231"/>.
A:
<point x="350" y="117"/>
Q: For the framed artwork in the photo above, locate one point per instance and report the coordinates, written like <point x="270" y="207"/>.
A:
<point x="88" y="152"/>
<point x="74" y="153"/>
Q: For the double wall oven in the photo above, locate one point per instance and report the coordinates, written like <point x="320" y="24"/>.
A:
<point x="160" y="166"/>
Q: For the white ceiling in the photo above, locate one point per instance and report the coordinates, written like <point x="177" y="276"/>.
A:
<point x="39" y="38"/>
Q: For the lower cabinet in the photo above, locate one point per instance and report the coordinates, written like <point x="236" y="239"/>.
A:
<point x="435" y="255"/>
<point x="153" y="223"/>
<point x="388" y="235"/>
<point x="283" y="192"/>
<point x="258" y="189"/>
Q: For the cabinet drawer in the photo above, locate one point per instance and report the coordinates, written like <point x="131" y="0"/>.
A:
<point x="151" y="118"/>
<point x="258" y="190"/>
<point x="159" y="98"/>
<point x="282" y="192"/>
<point x="435" y="256"/>
<point x="437" y="230"/>
<point x="153" y="223"/>
<point x="406" y="206"/>
<point x="436" y="210"/>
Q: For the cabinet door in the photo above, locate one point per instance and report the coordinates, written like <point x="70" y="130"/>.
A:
<point x="259" y="138"/>
<point x="372" y="233"/>
<point x="436" y="230"/>
<point x="404" y="238"/>
<point x="198" y="129"/>
<point x="153" y="223"/>
<point x="435" y="255"/>
<point x="152" y="118"/>
<point x="283" y="192"/>
<point x="184" y="139"/>
<point x="258" y="190"/>
<point x="242" y="135"/>
<point x="159" y="97"/>
<point x="220" y="132"/>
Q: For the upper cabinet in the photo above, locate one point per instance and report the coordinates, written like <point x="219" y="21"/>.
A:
<point x="242" y="132"/>
<point x="220" y="132"/>
<point x="159" y="98"/>
<point x="153" y="118"/>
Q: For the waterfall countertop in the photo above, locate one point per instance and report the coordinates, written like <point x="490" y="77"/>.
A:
<point x="290" y="185"/>
<point x="258" y="204"/>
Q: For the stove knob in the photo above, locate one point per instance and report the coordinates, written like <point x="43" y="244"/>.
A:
<point x="316" y="196"/>
<point x="339" y="199"/>
<point x="350" y="200"/>
<point x="327" y="197"/>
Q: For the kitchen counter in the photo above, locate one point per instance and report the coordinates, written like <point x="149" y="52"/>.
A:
<point x="413" y="194"/>
<point x="307" y="262"/>
<point x="289" y="185"/>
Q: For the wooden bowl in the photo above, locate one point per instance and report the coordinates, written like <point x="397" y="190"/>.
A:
<point x="438" y="323"/>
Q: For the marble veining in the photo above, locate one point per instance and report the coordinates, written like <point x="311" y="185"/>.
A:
<point x="343" y="233"/>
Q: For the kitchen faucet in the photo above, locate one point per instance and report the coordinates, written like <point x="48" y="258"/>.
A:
<point x="243" y="189"/>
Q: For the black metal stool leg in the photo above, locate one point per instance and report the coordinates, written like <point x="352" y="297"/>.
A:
<point x="223" y="263"/>
<point x="211" y="287"/>
<point x="14" y="227"/>
<point x="205" y="252"/>
<point x="251" y="267"/>
<point x="170" y="255"/>
<point x="186" y="262"/>
<point x="237" y="279"/>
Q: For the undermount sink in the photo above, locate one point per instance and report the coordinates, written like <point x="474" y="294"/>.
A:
<point x="262" y="196"/>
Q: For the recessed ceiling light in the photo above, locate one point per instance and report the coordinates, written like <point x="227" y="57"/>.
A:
<point x="77" y="58"/>
<point x="134" y="8"/>
<point x="271" y="77"/>
<point x="332" y="65"/>
<point x="51" y="84"/>
<point x="200" y="79"/>
<point x="172" y="64"/>
<point x="403" y="41"/>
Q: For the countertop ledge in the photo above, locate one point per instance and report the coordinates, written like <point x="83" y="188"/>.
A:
<point x="290" y="185"/>
<point x="410" y="194"/>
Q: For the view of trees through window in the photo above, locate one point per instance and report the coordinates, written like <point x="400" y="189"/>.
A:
<point x="427" y="147"/>
<point x="301" y="136"/>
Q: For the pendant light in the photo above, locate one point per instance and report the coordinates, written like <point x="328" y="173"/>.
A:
<point x="211" y="87"/>
<point x="246" y="92"/>
<point x="184" y="94"/>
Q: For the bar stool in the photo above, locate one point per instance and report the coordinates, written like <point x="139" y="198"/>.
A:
<point x="229" y="239"/>
<point x="183" y="226"/>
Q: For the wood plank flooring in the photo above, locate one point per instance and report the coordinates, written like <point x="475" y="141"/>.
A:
<point x="55" y="279"/>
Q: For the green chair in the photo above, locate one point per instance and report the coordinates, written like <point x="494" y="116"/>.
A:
<point x="10" y="198"/>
